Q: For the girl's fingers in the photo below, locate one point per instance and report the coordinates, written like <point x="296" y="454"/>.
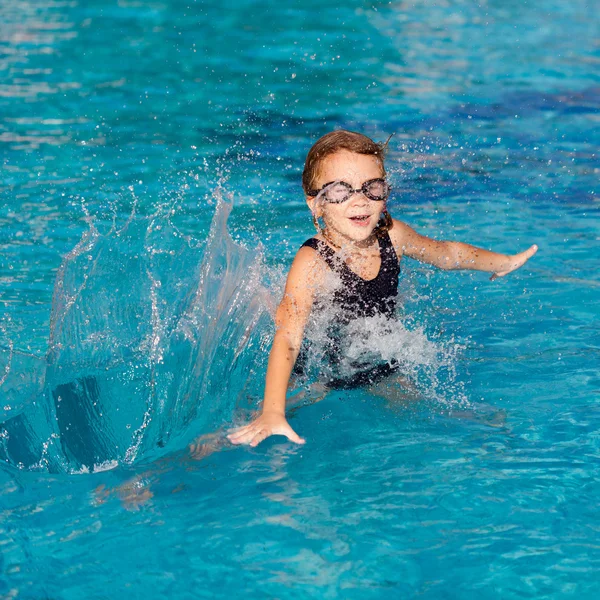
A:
<point x="253" y="434"/>
<point x="250" y="425"/>
<point x="531" y="251"/>
<point x="502" y="273"/>
<point x="259" y="437"/>
<point x="241" y="433"/>
<point x="293" y="436"/>
<point x="525" y="256"/>
<point x="237" y="430"/>
<point x="242" y="439"/>
<point x="520" y="260"/>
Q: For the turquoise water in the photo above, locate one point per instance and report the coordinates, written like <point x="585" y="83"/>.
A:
<point x="130" y="324"/>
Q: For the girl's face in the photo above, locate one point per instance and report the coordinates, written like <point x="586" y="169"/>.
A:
<point x="356" y="218"/>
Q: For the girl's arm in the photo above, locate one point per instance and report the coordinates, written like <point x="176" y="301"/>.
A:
<point x="290" y="320"/>
<point x="455" y="255"/>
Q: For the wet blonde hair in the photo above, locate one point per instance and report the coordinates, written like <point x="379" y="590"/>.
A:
<point x="352" y="141"/>
<point x="333" y="142"/>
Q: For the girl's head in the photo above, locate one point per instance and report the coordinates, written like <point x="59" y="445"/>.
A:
<point x="334" y="142"/>
<point x="353" y="206"/>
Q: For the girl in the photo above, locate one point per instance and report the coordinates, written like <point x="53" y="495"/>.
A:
<point x="345" y="184"/>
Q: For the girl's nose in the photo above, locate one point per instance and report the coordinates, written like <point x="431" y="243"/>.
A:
<point x="358" y="198"/>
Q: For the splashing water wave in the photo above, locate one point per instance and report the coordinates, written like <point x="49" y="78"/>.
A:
<point x="427" y="366"/>
<point x="148" y="332"/>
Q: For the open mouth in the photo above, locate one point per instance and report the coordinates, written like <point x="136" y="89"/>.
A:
<point x="360" y="219"/>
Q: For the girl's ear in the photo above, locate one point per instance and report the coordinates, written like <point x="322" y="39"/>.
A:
<point x="314" y="207"/>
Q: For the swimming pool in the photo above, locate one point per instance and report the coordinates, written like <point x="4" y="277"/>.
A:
<point x="118" y="121"/>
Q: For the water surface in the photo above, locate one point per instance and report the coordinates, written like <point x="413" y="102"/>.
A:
<point x="486" y="488"/>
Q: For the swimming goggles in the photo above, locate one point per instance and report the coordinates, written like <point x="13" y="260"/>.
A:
<point x="336" y="192"/>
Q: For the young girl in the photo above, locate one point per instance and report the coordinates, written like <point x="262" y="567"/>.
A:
<point x="345" y="185"/>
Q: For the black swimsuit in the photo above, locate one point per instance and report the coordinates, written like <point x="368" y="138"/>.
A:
<point x="355" y="298"/>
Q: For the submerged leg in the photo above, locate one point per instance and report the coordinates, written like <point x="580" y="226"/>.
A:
<point x="401" y="392"/>
<point x="397" y="389"/>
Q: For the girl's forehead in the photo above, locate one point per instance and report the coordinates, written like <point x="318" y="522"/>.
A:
<point x="350" y="167"/>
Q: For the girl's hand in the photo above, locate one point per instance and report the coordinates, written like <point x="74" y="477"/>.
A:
<point x="515" y="261"/>
<point x="269" y="423"/>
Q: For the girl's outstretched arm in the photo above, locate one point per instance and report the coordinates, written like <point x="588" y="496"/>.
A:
<point x="455" y="255"/>
<point x="305" y="275"/>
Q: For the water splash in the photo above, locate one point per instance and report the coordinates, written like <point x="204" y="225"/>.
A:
<point x="146" y="349"/>
<point x="339" y="350"/>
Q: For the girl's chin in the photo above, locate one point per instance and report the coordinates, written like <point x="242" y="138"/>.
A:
<point x="359" y="235"/>
<point x="352" y="233"/>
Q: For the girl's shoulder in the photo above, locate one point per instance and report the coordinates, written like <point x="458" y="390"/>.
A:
<point x="308" y="271"/>
<point x="313" y="243"/>
<point x="309" y="262"/>
<point x="306" y="275"/>
<point x="320" y="250"/>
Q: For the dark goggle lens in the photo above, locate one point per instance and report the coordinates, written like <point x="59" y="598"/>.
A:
<point x="339" y="191"/>
<point x="376" y="190"/>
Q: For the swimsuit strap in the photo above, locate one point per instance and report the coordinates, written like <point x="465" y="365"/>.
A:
<point x="326" y="253"/>
<point x="387" y="250"/>
<point x="385" y="241"/>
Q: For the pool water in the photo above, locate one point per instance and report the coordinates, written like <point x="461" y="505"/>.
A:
<point x="150" y="204"/>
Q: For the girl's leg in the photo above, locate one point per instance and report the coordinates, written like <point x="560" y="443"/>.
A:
<point x="397" y="389"/>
